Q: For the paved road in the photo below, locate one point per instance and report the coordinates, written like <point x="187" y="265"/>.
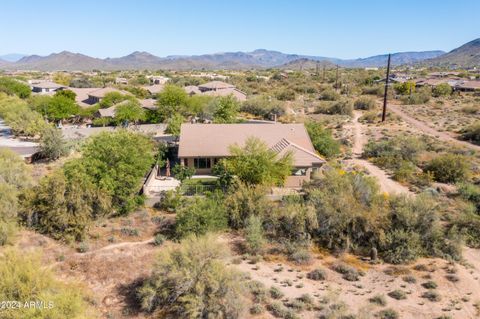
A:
<point x="8" y="140"/>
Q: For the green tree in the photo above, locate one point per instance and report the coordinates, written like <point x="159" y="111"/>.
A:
<point x="66" y="93"/>
<point x="192" y="281"/>
<point x="182" y="172"/>
<point x="24" y="279"/>
<point x="443" y="89"/>
<point x="174" y="123"/>
<point x="52" y="144"/>
<point x="254" y="235"/>
<point x="21" y="118"/>
<point x="56" y="108"/>
<point x="12" y="86"/>
<point x="449" y="168"/>
<point x="322" y="140"/>
<point x="256" y="163"/>
<point x="199" y="216"/>
<point x="111" y="99"/>
<point x="171" y="100"/>
<point x="129" y="111"/>
<point x="404" y="88"/>
<point x="14" y="177"/>
<point x="225" y="109"/>
<point x="64" y="207"/>
<point x="116" y="162"/>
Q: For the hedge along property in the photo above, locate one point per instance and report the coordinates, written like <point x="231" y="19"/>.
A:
<point x="201" y="146"/>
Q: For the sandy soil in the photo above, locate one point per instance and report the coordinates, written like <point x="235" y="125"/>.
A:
<point x="425" y="128"/>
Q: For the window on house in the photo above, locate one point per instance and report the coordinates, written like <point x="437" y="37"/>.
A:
<point x="299" y="172"/>
<point x="201" y="162"/>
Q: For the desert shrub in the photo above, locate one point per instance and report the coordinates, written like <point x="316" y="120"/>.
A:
<point x="257" y="309"/>
<point x="52" y="144"/>
<point x="468" y="224"/>
<point x="369" y="117"/>
<point x="159" y="239"/>
<point x="342" y="107"/>
<point x="200" y="216"/>
<point x="443" y="89"/>
<point x="24" y="279"/>
<point x="409" y="279"/>
<point x="393" y="152"/>
<point x="388" y="314"/>
<point x="348" y="273"/>
<point x="471" y="193"/>
<point x="373" y="90"/>
<point x="258" y="290"/>
<point x="83" y="247"/>
<point x="285" y="95"/>
<point x="276" y="293"/>
<point x="170" y="201"/>
<point x="470" y="109"/>
<point x="430" y="285"/>
<point x="397" y="294"/>
<point x="452" y="278"/>
<point x="401" y="247"/>
<point x="254" y="235"/>
<point x="419" y="97"/>
<point x="404" y="88"/>
<point x="317" y="274"/>
<point x="322" y="139"/>
<point x="378" y="300"/>
<point x="472" y="133"/>
<point x="350" y="211"/>
<point x="300" y="256"/>
<point x="192" y="279"/>
<point x="432" y="295"/>
<point x="63" y="207"/>
<point x="329" y="95"/>
<point x="449" y="168"/>
<point x="364" y="103"/>
<point x="13" y="86"/>
<point x="277" y="309"/>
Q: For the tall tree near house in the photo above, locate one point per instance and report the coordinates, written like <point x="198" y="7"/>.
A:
<point x="129" y="111"/>
<point x="256" y="164"/>
<point x="225" y="110"/>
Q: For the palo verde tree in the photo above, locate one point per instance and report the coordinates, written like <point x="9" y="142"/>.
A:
<point x="256" y="164"/>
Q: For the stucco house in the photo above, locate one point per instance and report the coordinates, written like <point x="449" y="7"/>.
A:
<point x="45" y="87"/>
<point x="201" y="146"/>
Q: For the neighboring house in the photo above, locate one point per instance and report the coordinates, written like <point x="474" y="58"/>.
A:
<point x="97" y="95"/>
<point x="215" y="86"/>
<point x="192" y="89"/>
<point x="239" y="95"/>
<point x="148" y="104"/>
<point x="201" y="146"/>
<point x="434" y="82"/>
<point x="121" y="81"/>
<point x="158" y="79"/>
<point x="154" y="89"/>
<point x="467" y="86"/>
<point x="45" y="87"/>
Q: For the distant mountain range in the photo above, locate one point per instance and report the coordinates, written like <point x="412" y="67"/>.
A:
<point x="465" y="56"/>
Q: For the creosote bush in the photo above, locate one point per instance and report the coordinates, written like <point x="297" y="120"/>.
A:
<point x="191" y="279"/>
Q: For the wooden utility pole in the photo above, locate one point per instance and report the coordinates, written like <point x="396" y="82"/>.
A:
<point x="323" y="80"/>
<point x="316" y="69"/>
<point x="336" y="80"/>
<point x="386" y="91"/>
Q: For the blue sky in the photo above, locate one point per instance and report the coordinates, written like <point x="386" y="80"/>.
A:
<point x="344" y="29"/>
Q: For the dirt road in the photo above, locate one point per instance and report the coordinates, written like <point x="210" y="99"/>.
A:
<point x="422" y="126"/>
<point x="359" y="140"/>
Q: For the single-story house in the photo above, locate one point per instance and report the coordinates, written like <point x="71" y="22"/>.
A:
<point x="467" y="86"/>
<point x="201" y="146"/>
<point x="154" y="79"/>
<point x="215" y="86"/>
<point x="192" y="89"/>
<point x="45" y="87"/>
<point x="120" y="80"/>
<point x="154" y="89"/>
<point x="236" y="93"/>
<point x="148" y="104"/>
<point x="96" y="96"/>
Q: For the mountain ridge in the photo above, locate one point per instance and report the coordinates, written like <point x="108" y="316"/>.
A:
<point x="468" y="54"/>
